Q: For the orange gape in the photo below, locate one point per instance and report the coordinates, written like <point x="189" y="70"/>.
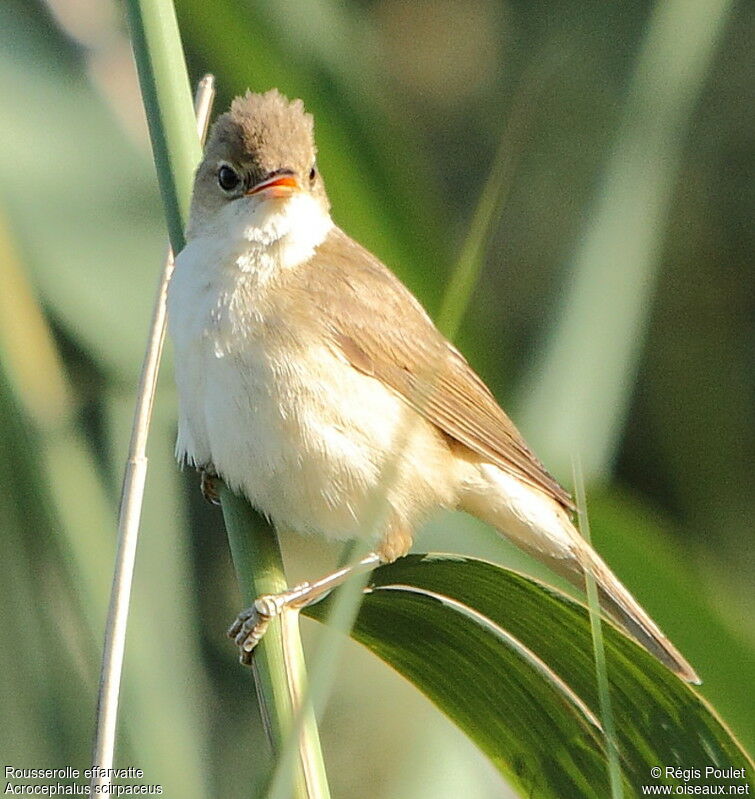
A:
<point x="283" y="186"/>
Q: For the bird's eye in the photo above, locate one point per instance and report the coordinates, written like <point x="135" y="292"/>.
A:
<point x="228" y="178"/>
<point x="312" y="174"/>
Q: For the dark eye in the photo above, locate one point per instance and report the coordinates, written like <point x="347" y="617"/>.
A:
<point x="312" y="174"/>
<point x="228" y="178"/>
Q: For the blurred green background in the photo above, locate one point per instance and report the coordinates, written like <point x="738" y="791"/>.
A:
<point x="612" y="316"/>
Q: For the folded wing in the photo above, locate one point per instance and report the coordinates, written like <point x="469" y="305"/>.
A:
<point x="359" y="301"/>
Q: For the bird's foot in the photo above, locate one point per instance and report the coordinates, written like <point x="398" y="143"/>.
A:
<point x="208" y="484"/>
<point x="251" y="624"/>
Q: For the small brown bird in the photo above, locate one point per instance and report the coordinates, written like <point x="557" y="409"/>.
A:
<point x="311" y="380"/>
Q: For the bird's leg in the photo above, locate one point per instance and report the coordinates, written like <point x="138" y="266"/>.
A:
<point x="250" y="625"/>
<point x="208" y="484"/>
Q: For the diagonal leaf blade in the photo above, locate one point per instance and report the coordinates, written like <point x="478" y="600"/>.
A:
<point x="489" y="647"/>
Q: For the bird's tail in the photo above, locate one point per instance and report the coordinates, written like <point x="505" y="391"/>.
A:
<point x="539" y="525"/>
<point x="616" y="600"/>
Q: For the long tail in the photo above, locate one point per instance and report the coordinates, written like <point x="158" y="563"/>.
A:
<point x="539" y="525"/>
<point x="616" y="600"/>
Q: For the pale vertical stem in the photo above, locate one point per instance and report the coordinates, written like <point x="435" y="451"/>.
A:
<point x="132" y="495"/>
<point x="162" y="76"/>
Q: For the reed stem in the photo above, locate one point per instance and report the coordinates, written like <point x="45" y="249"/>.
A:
<point x="278" y="662"/>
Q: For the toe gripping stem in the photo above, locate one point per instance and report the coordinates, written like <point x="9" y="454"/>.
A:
<point x="251" y="624"/>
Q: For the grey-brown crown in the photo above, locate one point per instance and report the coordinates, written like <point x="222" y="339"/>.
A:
<point x="261" y="135"/>
<point x="264" y="133"/>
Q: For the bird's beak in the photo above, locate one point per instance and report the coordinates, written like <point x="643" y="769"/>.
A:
<point x="277" y="187"/>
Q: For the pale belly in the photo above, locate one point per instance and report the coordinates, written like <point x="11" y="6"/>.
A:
<point x="314" y="444"/>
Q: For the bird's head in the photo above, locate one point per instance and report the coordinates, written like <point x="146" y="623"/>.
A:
<point x="259" y="173"/>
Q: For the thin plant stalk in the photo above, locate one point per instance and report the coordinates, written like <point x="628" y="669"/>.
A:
<point x="132" y="496"/>
<point x="495" y="192"/>
<point x="601" y="670"/>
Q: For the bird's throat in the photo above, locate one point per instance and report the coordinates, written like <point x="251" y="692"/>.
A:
<point x="287" y="230"/>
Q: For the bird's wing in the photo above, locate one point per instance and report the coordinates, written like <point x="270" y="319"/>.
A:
<point x="376" y="323"/>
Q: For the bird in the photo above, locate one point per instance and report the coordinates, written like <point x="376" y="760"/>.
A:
<point x="311" y="380"/>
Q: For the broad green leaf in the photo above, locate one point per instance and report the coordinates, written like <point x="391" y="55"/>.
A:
<point x="510" y="661"/>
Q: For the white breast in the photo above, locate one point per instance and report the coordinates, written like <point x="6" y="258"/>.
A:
<point x="216" y="300"/>
<point x="295" y="427"/>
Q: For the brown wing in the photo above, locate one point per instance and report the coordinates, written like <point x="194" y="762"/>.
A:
<point x="373" y="319"/>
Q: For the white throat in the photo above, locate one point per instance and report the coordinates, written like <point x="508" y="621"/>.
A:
<point x="292" y="229"/>
<point x="262" y="236"/>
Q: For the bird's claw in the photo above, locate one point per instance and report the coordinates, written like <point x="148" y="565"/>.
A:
<point x="208" y="484"/>
<point x="251" y="624"/>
